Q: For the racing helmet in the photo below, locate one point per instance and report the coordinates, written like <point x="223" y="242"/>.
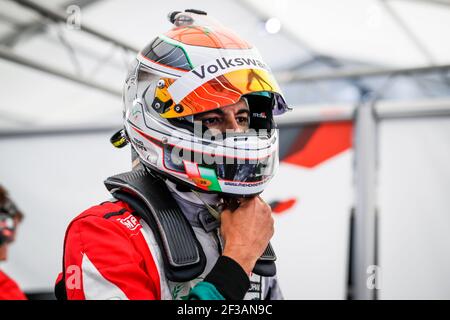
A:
<point x="196" y="67"/>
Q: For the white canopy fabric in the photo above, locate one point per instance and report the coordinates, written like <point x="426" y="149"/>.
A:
<point x="362" y="31"/>
<point x="372" y="31"/>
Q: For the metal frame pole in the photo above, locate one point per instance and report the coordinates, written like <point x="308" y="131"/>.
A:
<point x="358" y="73"/>
<point x="10" y="56"/>
<point x="383" y="109"/>
<point x="364" y="241"/>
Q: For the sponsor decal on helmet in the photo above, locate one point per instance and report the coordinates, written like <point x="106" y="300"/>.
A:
<point x="204" y="178"/>
<point x="226" y="64"/>
<point x="139" y="144"/>
<point x="205" y="72"/>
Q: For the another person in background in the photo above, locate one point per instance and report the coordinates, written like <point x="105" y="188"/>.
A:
<point x="10" y="217"/>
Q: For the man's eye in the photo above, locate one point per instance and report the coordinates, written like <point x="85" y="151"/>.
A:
<point x="242" y="119"/>
<point x="211" y="121"/>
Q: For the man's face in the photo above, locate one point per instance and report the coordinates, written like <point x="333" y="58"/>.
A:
<point x="233" y="117"/>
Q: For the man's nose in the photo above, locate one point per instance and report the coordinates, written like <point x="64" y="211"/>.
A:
<point x="233" y="124"/>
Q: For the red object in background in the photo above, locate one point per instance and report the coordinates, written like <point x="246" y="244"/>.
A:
<point x="319" y="143"/>
<point x="281" y="206"/>
<point x="9" y="290"/>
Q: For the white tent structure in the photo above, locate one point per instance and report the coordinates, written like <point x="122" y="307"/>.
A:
<point x="380" y="65"/>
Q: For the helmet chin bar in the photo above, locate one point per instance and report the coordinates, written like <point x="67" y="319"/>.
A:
<point x="185" y="186"/>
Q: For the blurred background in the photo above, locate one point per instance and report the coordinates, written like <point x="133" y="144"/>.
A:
<point x="361" y="199"/>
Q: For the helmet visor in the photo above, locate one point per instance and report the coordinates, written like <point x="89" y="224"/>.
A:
<point x="219" y="91"/>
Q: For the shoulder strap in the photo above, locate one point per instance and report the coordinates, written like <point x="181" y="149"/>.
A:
<point x="149" y="196"/>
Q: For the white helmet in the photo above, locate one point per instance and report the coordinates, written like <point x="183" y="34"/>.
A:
<point x="199" y="66"/>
